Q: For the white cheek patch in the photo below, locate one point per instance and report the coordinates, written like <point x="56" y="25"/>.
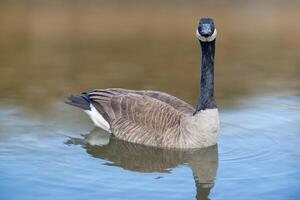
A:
<point x="206" y="39"/>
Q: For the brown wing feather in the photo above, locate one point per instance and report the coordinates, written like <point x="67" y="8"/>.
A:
<point x="138" y="118"/>
<point x="175" y="102"/>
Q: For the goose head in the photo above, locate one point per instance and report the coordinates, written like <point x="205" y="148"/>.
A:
<point x="206" y="31"/>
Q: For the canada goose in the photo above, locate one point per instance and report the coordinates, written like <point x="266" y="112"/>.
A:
<point x="155" y="118"/>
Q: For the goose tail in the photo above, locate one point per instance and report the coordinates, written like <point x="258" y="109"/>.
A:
<point x="82" y="101"/>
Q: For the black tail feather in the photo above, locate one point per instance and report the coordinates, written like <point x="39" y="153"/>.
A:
<point x="82" y="101"/>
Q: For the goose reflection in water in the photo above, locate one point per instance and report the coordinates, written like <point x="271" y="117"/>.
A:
<point x="140" y="158"/>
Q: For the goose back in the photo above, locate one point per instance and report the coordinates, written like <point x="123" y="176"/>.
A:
<point x="173" y="101"/>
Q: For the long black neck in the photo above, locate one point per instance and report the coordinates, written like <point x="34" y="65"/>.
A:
<point x="206" y="99"/>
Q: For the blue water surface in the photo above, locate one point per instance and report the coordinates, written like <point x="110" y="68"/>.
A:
<point x="53" y="156"/>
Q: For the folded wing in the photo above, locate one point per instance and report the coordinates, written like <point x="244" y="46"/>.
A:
<point x="137" y="116"/>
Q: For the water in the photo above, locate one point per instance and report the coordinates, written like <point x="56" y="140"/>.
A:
<point x="49" y="49"/>
<point x="258" y="155"/>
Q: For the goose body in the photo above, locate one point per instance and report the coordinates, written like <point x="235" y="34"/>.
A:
<point x="155" y="118"/>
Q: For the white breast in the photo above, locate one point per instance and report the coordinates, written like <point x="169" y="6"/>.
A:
<point x="98" y="119"/>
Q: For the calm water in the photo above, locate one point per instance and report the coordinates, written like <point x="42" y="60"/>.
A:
<point x="49" y="49"/>
<point x="60" y="156"/>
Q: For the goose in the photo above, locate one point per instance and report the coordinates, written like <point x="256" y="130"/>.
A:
<point x="155" y="118"/>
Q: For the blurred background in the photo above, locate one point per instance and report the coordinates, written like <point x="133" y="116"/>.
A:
<point x="50" y="49"/>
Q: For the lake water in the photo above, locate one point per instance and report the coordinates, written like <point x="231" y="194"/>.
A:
<point x="60" y="156"/>
<point x="49" y="150"/>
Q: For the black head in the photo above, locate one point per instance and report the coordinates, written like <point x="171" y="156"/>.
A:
<point x="206" y="31"/>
